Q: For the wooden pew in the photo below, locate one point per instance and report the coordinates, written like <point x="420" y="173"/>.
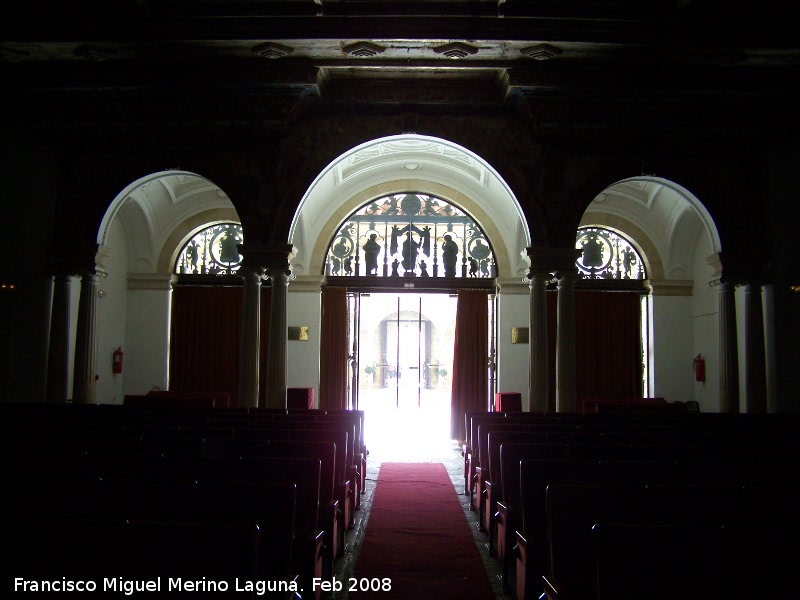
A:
<point x="572" y="510"/>
<point x="496" y="435"/>
<point x="507" y="519"/>
<point x="41" y="500"/>
<point x="311" y="557"/>
<point x="473" y="421"/>
<point x="341" y="433"/>
<point x="663" y="561"/>
<point x="657" y="561"/>
<point x="357" y="417"/>
<point x="332" y="520"/>
<point x="537" y="475"/>
<point x="221" y="399"/>
<point x="277" y="443"/>
<point x="169" y="401"/>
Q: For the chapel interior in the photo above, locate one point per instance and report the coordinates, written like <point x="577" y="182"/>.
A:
<point x="612" y="183"/>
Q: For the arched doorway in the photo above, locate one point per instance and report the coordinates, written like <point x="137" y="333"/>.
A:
<point x="679" y="245"/>
<point x="144" y="230"/>
<point x="395" y="166"/>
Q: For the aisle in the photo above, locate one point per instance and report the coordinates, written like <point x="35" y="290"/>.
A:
<point x="418" y="543"/>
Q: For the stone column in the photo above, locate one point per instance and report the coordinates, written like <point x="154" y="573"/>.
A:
<point x="58" y="350"/>
<point x="755" y="356"/>
<point x="277" y="343"/>
<point x="83" y="383"/>
<point x="566" y="390"/>
<point x="728" y="349"/>
<point x="85" y="367"/>
<point x="273" y="260"/>
<point x="250" y="341"/>
<point x="538" y="398"/>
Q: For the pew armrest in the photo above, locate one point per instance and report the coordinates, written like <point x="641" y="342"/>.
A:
<point x="504" y="537"/>
<point x="553" y="589"/>
<point x="346" y="499"/>
<point x="312" y="559"/>
<point x="330" y="521"/>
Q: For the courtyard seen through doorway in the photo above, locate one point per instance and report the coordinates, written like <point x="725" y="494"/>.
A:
<point x="403" y="370"/>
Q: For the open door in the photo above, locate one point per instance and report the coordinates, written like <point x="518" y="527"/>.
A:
<point x="402" y="364"/>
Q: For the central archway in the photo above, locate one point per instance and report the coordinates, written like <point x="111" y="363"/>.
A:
<point x="409" y="162"/>
<point x="427" y="166"/>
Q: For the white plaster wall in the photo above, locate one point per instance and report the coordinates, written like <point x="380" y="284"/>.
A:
<point x="303" y="309"/>
<point x="111" y="307"/>
<point x="673" y="340"/>
<point x="513" y="310"/>
<point x="705" y="319"/>
<point x="706" y="342"/>
<point x="147" y="340"/>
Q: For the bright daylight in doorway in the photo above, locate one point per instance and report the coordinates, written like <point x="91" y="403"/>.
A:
<point x="405" y="368"/>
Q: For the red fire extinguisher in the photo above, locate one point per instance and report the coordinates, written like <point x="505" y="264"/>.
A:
<point x="117" y="362"/>
<point x="699" y="367"/>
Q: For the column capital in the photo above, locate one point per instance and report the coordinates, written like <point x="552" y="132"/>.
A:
<point x="739" y="268"/>
<point x="544" y="259"/>
<point x="270" y="257"/>
<point x="79" y="260"/>
<point x="567" y="276"/>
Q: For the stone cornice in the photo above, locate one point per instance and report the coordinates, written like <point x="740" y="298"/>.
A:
<point x="672" y="287"/>
<point x="306" y="283"/>
<point x="513" y="286"/>
<point x="150" y="281"/>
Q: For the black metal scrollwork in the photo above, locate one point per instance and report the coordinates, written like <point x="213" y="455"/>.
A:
<point x="410" y="235"/>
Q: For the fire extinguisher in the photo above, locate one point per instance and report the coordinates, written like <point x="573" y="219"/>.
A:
<point x="117" y="362"/>
<point x="699" y="367"/>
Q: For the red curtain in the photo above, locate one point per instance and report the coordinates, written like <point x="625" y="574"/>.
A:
<point x="608" y="344"/>
<point x="205" y="337"/>
<point x="333" y="349"/>
<point x="470" y="391"/>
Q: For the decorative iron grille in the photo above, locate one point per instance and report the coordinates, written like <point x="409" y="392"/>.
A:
<point x="607" y="255"/>
<point x="410" y="235"/>
<point x="212" y="251"/>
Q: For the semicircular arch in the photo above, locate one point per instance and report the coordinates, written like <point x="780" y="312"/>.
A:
<point x="168" y="207"/>
<point x="407" y="163"/>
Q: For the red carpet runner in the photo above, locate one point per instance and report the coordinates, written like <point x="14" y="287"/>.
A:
<point x="418" y="542"/>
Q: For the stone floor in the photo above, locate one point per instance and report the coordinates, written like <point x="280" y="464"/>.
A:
<point x="450" y="456"/>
